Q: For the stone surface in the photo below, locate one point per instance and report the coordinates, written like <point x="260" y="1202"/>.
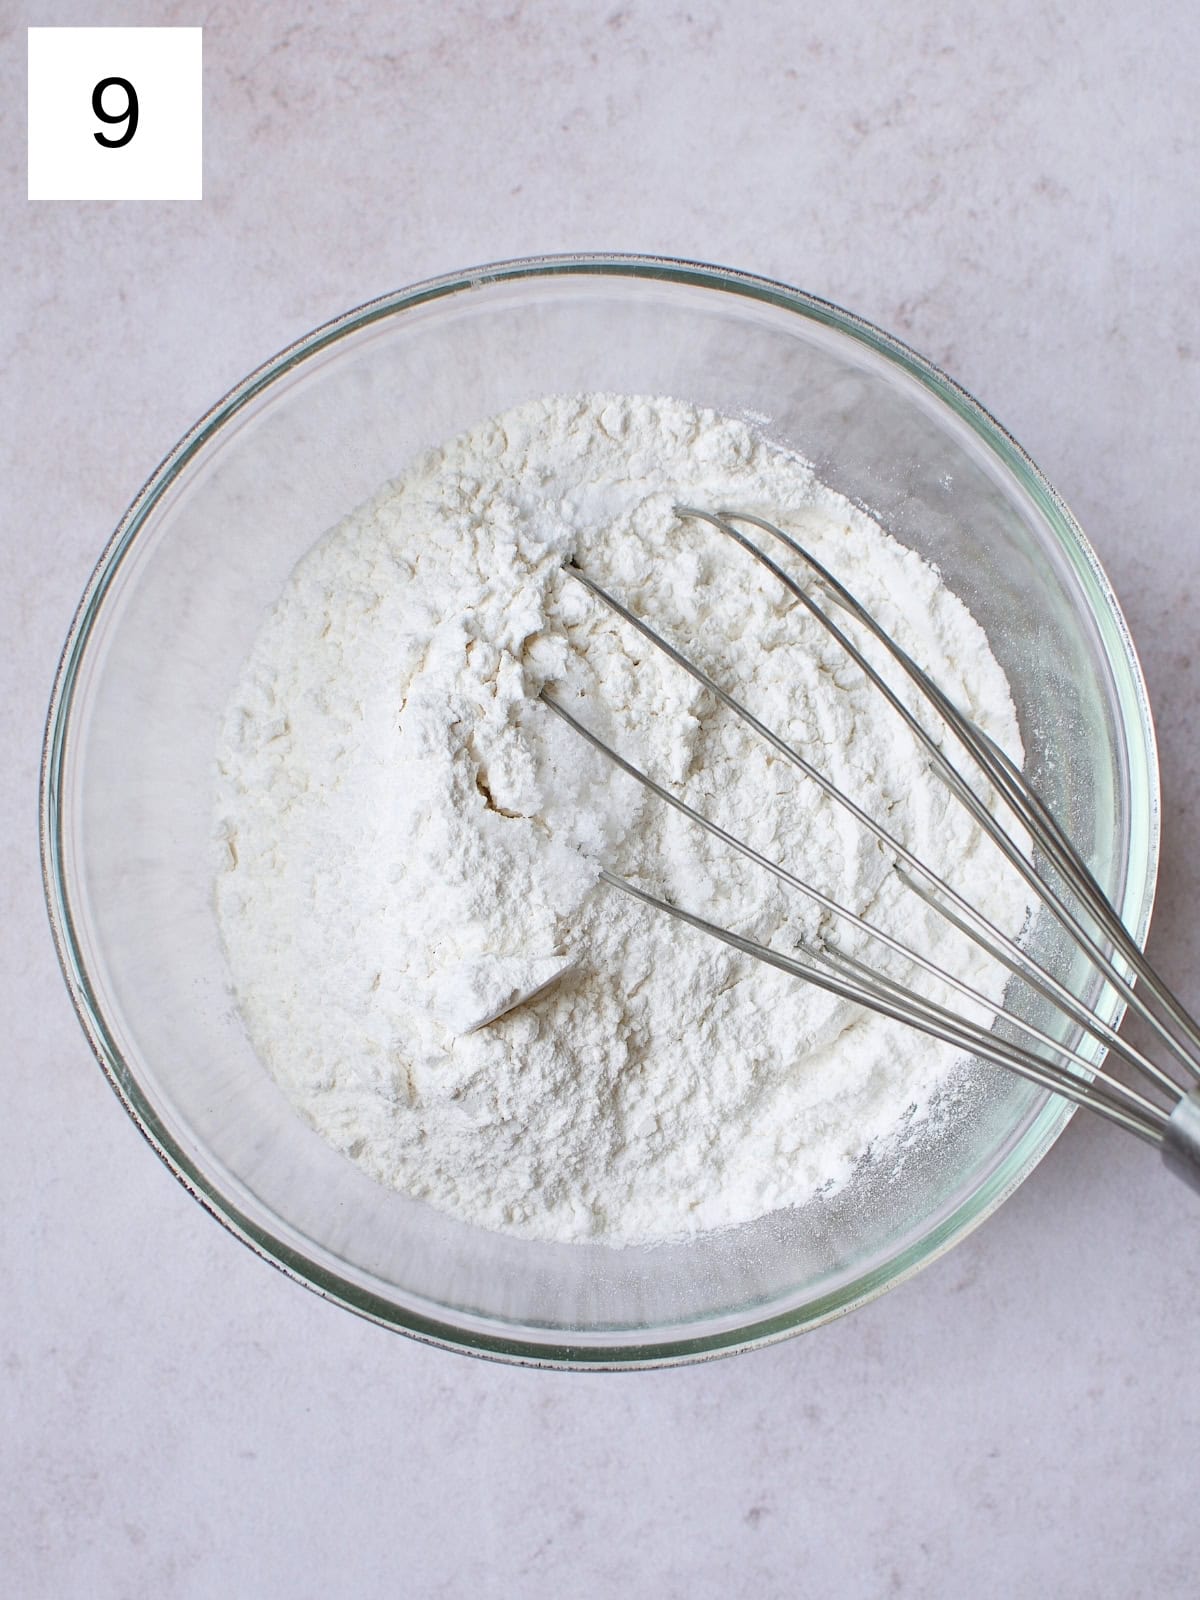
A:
<point x="1015" y="190"/>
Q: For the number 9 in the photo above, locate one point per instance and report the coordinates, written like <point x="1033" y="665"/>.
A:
<point x="130" y="113"/>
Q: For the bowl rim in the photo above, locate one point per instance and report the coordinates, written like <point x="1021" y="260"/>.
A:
<point x="650" y="1350"/>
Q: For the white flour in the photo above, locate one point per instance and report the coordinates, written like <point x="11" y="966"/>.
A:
<point x="410" y="840"/>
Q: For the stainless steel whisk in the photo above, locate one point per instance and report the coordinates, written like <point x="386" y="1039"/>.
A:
<point x="1165" y="1112"/>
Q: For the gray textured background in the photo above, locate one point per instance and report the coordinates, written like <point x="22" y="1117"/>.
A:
<point x="1017" y="193"/>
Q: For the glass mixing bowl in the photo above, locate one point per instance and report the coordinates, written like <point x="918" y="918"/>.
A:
<point x="170" y="613"/>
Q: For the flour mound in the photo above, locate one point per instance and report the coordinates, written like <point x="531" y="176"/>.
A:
<point x="410" y="840"/>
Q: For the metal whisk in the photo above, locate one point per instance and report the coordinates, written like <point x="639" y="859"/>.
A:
<point x="1163" y="1111"/>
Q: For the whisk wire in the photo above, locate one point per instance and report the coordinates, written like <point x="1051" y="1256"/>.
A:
<point x="954" y="1030"/>
<point x="1055" y="845"/>
<point x="1111" y="949"/>
<point x="865" y="975"/>
<point x="1001" y="771"/>
<point x="973" y="922"/>
<point x="1122" y="1094"/>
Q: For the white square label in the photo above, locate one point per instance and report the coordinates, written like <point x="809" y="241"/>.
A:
<point x="115" y="114"/>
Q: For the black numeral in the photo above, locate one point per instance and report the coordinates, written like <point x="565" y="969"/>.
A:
<point x="128" y="116"/>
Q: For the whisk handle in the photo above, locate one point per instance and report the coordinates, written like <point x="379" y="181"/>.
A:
<point x="1181" y="1141"/>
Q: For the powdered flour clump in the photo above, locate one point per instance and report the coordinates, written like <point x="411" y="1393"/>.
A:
<point x="410" y="840"/>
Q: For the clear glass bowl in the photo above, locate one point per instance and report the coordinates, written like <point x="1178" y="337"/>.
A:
<point x="169" y="615"/>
